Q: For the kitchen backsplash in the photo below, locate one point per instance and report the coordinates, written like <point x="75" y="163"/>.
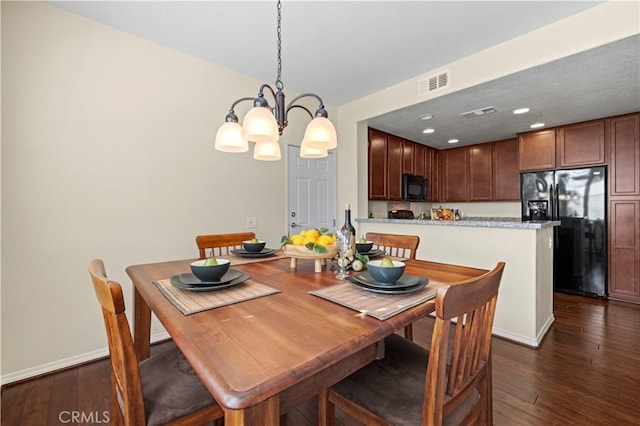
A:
<point x="379" y="209"/>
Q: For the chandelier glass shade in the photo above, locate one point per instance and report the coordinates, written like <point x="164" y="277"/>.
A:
<point x="264" y="123"/>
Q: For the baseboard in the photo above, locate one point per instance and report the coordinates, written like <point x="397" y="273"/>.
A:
<point x="527" y="341"/>
<point x="64" y="363"/>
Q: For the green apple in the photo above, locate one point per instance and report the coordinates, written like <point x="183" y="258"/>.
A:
<point x="254" y="241"/>
<point x="386" y="263"/>
<point x="362" y="240"/>
<point x="210" y="262"/>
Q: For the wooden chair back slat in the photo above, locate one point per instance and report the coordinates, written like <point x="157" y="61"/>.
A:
<point x="396" y="245"/>
<point x="221" y="244"/>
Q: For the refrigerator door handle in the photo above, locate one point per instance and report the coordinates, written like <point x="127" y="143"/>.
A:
<point x="552" y="202"/>
<point x="556" y="200"/>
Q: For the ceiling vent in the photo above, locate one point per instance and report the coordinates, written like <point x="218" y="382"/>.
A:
<point x="432" y="83"/>
<point x="479" y="112"/>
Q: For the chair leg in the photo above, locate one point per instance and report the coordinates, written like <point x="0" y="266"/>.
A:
<point x="408" y="332"/>
<point x="326" y="409"/>
<point x="489" y="389"/>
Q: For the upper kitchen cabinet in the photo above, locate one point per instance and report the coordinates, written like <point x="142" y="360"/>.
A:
<point x="377" y="165"/>
<point x="537" y="150"/>
<point x="481" y="172"/>
<point x="408" y="157"/>
<point x="581" y="144"/>
<point x="395" y="151"/>
<point x="454" y="166"/>
<point x="506" y="175"/>
<point x="624" y="155"/>
<point x="420" y="160"/>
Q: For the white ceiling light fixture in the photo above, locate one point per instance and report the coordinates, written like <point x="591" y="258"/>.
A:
<point x="264" y="124"/>
<point x="425" y="116"/>
<point x="521" y="111"/>
<point x="537" y="125"/>
<point x="428" y="131"/>
<point x="453" y="141"/>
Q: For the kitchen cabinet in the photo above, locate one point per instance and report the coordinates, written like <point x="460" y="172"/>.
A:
<point x="581" y="144"/>
<point x="432" y="163"/>
<point x="623" y="134"/>
<point x="624" y="155"/>
<point x="537" y="150"/>
<point x="408" y="157"/>
<point x="394" y="167"/>
<point x="506" y="174"/>
<point x="377" y="165"/>
<point x="419" y="160"/>
<point x="624" y="250"/>
<point x="481" y="172"/>
<point x="454" y="166"/>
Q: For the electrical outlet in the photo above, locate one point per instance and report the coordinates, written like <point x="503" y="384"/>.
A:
<point x="252" y="222"/>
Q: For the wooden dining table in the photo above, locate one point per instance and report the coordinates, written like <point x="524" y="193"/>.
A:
<point x="262" y="357"/>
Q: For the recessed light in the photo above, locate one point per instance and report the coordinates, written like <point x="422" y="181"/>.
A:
<point x="426" y="117"/>
<point x="537" y="125"/>
<point x="429" y="130"/>
<point x="521" y="110"/>
<point x="453" y="141"/>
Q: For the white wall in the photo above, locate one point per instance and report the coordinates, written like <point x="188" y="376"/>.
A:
<point x="107" y="151"/>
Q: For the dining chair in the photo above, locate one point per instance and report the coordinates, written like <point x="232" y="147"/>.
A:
<point x="221" y="244"/>
<point x="448" y="384"/>
<point x="403" y="246"/>
<point x="161" y="390"/>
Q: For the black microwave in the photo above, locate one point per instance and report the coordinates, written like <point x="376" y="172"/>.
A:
<point x="414" y="188"/>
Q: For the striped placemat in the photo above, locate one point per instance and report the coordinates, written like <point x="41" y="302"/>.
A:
<point x="380" y="306"/>
<point x="190" y="302"/>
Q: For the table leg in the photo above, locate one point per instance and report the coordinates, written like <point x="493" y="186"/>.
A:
<point x="266" y="413"/>
<point x="141" y="325"/>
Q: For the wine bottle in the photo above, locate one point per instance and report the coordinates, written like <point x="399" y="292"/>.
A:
<point x="348" y="226"/>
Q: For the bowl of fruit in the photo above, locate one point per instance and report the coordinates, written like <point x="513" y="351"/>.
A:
<point x="316" y="244"/>
<point x="254" y="245"/>
<point x="363" y="245"/>
<point x="385" y="270"/>
<point x="210" y="269"/>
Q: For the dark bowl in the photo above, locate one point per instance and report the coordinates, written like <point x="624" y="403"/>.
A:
<point x="210" y="273"/>
<point x="253" y="247"/>
<point x="364" y="247"/>
<point x="384" y="274"/>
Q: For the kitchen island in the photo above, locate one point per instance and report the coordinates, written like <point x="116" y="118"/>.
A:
<point x="525" y="304"/>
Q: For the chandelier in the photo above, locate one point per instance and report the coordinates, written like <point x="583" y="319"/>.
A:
<point x="263" y="124"/>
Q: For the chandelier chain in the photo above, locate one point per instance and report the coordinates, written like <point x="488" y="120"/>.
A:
<point x="279" y="84"/>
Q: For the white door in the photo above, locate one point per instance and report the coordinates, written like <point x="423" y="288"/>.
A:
<point x="311" y="193"/>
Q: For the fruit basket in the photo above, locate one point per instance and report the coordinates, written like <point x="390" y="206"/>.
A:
<point x="296" y="252"/>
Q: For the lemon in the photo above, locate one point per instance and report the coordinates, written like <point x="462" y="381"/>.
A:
<point x="308" y="239"/>
<point x="297" y="240"/>
<point x="313" y="233"/>
<point x="325" y="240"/>
<point x="302" y="232"/>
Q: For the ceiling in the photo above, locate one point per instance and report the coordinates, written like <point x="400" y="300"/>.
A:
<point x="345" y="50"/>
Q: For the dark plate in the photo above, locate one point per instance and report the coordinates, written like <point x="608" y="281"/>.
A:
<point x="192" y="280"/>
<point x="175" y="281"/>
<point x="373" y="253"/>
<point x="262" y="253"/>
<point x="404" y="281"/>
<point x="422" y="283"/>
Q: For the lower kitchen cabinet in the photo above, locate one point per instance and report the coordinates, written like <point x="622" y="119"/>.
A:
<point x="624" y="250"/>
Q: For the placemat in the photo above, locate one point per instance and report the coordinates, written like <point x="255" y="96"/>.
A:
<point x="380" y="306"/>
<point x="190" y="302"/>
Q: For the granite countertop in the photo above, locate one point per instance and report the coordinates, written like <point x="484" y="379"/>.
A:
<point x="478" y="222"/>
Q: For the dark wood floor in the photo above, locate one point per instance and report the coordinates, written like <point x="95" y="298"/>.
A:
<point x="587" y="372"/>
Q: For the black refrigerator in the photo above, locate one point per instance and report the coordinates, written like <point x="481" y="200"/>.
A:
<point x="577" y="198"/>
